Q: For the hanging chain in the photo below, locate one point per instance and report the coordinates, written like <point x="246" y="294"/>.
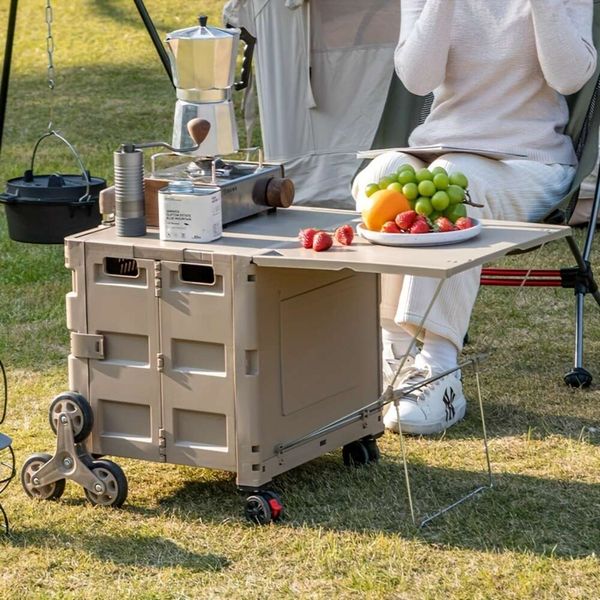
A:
<point x="50" y="51"/>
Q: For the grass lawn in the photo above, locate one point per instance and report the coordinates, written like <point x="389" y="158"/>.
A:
<point x="182" y="534"/>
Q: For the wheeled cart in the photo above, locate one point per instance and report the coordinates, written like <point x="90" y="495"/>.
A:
<point x="195" y="355"/>
<point x="248" y="354"/>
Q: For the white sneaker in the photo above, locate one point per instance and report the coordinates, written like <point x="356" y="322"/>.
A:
<point x="430" y="409"/>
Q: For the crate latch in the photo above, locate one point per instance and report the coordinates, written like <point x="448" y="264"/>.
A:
<point x="87" y="345"/>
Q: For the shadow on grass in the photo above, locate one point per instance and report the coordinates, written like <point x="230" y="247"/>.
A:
<point x="522" y="513"/>
<point x="126" y="550"/>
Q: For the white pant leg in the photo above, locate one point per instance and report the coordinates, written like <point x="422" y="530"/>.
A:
<point x="509" y="190"/>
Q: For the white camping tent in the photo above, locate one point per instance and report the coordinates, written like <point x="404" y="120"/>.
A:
<point x="323" y="70"/>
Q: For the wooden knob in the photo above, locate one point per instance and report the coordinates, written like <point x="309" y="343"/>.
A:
<point x="280" y="192"/>
<point x="198" y="129"/>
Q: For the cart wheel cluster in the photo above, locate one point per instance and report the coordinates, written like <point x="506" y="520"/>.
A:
<point x="264" y="507"/>
<point x="44" y="476"/>
<point x="361" y="452"/>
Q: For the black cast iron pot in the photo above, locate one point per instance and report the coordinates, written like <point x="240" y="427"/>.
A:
<point x="44" y="209"/>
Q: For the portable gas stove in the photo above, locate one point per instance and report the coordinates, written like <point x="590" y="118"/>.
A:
<point x="247" y="188"/>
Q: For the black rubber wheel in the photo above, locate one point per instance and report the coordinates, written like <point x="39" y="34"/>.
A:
<point x="275" y="504"/>
<point x="78" y="409"/>
<point x="578" y="378"/>
<point x="372" y="450"/>
<point x="115" y="483"/>
<point x="258" y="510"/>
<point x="355" y="454"/>
<point x="52" y="491"/>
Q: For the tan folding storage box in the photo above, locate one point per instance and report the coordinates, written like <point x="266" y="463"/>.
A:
<point x="194" y="355"/>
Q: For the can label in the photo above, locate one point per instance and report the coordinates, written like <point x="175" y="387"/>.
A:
<point x="190" y="217"/>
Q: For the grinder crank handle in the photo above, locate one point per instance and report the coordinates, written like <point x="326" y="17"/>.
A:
<point x="197" y="128"/>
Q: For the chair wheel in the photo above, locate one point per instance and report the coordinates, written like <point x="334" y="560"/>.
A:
<point x="355" y="454"/>
<point x="52" y="491"/>
<point x="578" y="378"/>
<point x="115" y="484"/>
<point x="78" y="409"/>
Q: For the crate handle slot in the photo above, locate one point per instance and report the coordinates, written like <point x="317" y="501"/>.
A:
<point x="198" y="274"/>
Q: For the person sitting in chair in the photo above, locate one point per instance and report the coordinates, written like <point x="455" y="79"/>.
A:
<point x="499" y="71"/>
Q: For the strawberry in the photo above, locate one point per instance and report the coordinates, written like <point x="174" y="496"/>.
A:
<point x="464" y="223"/>
<point x="322" y="241"/>
<point x="306" y="237"/>
<point x="344" y="235"/>
<point x="390" y="227"/>
<point x="405" y="219"/>
<point x="443" y="224"/>
<point x="420" y="226"/>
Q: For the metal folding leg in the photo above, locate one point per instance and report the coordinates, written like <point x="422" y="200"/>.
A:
<point x="398" y="394"/>
<point x="392" y="395"/>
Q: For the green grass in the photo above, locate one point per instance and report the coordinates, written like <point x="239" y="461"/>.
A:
<point x="181" y="533"/>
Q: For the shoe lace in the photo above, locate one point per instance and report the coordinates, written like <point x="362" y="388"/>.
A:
<point x="412" y="376"/>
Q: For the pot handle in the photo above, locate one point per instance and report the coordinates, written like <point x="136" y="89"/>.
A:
<point x="84" y="173"/>
<point x="6" y="198"/>
<point x="250" y="41"/>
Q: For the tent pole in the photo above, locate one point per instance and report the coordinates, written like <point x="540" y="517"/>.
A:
<point x="10" y="35"/>
<point x="160" y="49"/>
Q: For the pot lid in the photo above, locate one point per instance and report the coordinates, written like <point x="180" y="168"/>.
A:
<point x="202" y="32"/>
<point x="53" y="181"/>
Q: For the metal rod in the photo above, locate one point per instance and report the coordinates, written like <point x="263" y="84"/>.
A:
<point x="481" y="488"/>
<point x="589" y="238"/>
<point x="484" y="428"/>
<point x="405" y="464"/>
<point x="579" y="298"/>
<point x="10" y="36"/>
<point x="444" y="510"/>
<point x="158" y="45"/>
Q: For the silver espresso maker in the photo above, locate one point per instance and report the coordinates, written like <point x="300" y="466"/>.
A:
<point x="203" y="62"/>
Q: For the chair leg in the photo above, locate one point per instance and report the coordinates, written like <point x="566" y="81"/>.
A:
<point x="578" y="377"/>
<point x="583" y="283"/>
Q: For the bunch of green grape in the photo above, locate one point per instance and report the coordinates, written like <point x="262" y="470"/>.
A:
<point x="433" y="193"/>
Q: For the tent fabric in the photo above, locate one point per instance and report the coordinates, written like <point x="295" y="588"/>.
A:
<point x="323" y="72"/>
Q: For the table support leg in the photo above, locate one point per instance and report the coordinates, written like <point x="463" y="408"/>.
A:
<point x="398" y="396"/>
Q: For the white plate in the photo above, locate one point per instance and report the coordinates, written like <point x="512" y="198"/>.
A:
<point x="419" y="239"/>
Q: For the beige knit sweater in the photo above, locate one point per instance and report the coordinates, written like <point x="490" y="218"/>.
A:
<point x="499" y="70"/>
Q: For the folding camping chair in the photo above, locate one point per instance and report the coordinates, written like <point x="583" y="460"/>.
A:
<point x="404" y="111"/>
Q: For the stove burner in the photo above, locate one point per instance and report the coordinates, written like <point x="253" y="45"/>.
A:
<point x="202" y="168"/>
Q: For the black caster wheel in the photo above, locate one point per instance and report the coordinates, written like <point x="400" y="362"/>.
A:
<point x="52" y="491"/>
<point x="115" y="484"/>
<point x="258" y="508"/>
<point x="78" y="408"/>
<point x="372" y="450"/>
<point x="355" y="454"/>
<point x="275" y="504"/>
<point x="578" y="378"/>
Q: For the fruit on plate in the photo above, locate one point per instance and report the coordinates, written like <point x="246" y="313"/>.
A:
<point x="405" y="220"/>
<point x="322" y="241"/>
<point x="344" y="235"/>
<point x="306" y="237"/>
<point x="463" y="223"/>
<point x="390" y="227"/>
<point x="443" y="224"/>
<point x="455" y="211"/>
<point x="383" y="206"/>
<point x="430" y="192"/>
<point x="420" y="226"/>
